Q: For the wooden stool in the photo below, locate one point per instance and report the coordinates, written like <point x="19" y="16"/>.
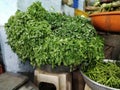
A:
<point x="62" y="81"/>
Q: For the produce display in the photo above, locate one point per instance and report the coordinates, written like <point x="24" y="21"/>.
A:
<point x="47" y="38"/>
<point x="104" y="6"/>
<point x="105" y="73"/>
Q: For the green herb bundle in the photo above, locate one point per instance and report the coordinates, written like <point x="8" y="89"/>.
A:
<point x="52" y="38"/>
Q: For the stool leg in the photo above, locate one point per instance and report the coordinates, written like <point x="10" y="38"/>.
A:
<point x="65" y="82"/>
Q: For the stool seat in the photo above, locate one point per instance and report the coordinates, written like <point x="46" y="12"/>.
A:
<point x="62" y="81"/>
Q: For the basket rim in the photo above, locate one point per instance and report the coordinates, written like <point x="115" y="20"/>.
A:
<point x="105" y="13"/>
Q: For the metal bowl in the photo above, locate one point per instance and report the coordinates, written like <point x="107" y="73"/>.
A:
<point x="94" y="85"/>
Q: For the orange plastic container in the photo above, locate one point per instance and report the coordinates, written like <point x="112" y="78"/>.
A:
<point x="106" y="21"/>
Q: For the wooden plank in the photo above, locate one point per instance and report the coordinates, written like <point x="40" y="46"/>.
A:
<point x="11" y="81"/>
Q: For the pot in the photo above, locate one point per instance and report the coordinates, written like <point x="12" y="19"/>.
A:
<point x="58" y="69"/>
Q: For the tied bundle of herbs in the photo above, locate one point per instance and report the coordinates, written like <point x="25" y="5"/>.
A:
<point x="47" y="38"/>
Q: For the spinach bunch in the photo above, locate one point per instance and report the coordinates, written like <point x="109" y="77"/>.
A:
<point x="24" y="34"/>
<point x="52" y="38"/>
<point x="36" y="11"/>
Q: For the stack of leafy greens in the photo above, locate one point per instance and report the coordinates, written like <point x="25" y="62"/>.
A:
<point x="105" y="73"/>
<point x="47" y="38"/>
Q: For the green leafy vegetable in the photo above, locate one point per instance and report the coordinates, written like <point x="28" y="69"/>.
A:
<point x="52" y="38"/>
<point x="106" y="74"/>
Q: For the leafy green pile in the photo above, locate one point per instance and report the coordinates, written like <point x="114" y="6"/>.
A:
<point x="106" y="74"/>
<point x="52" y="38"/>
